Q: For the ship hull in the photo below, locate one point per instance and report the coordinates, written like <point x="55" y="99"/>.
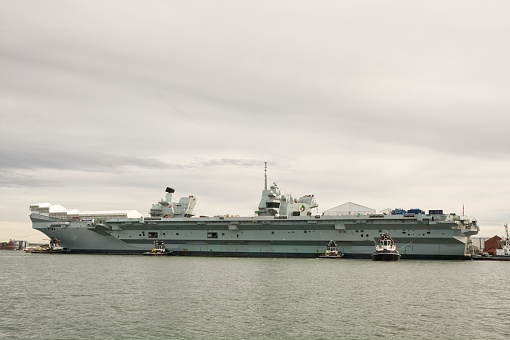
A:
<point x="304" y="237"/>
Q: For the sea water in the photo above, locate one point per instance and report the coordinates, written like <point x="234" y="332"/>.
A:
<point x="64" y="296"/>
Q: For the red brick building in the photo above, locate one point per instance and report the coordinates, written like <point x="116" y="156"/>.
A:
<point x="492" y="244"/>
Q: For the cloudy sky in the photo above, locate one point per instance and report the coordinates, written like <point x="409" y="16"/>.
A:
<point x="384" y="103"/>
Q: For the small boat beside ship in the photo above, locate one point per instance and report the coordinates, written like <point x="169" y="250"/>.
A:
<point x="159" y="250"/>
<point x="332" y="251"/>
<point x="54" y="248"/>
<point x="385" y="249"/>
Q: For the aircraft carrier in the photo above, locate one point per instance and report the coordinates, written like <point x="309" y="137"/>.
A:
<point x="282" y="226"/>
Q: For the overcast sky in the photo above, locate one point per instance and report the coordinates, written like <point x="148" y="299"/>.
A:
<point x="388" y="104"/>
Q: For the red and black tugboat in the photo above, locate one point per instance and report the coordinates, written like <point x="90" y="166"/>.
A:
<point x="385" y="249"/>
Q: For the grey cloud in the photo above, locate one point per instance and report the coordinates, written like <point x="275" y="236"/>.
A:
<point x="99" y="162"/>
<point x="12" y="178"/>
<point x="385" y="84"/>
<point x="70" y="160"/>
<point x="21" y="168"/>
<point x="229" y="161"/>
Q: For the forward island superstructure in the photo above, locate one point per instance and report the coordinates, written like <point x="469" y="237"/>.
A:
<point x="282" y="226"/>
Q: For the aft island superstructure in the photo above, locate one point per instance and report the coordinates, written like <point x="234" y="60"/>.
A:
<point x="282" y="226"/>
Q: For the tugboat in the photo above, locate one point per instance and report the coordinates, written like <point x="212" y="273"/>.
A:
<point x="159" y="250"/>
<point x="385" y="249"/>
<point x="54" y="248"/>
<point x="331" y="251"/>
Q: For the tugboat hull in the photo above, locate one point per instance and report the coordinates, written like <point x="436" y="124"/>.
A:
<point x="339" y="256"/>
<point x="379" y="256"/>
<point x="491" y="257"/>
<point x="166" y="253"/>
<point x="50" y="251"/>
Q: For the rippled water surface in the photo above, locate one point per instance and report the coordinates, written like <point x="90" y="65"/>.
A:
<point x="134" y="297"/>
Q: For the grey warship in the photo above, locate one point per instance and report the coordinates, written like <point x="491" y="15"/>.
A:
<point x="282" y="226"/>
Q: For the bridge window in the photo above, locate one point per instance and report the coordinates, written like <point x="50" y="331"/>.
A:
<point x="272" y="204"/>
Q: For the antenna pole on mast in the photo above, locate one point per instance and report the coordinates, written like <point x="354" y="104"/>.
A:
<point x="265" y="175"/>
